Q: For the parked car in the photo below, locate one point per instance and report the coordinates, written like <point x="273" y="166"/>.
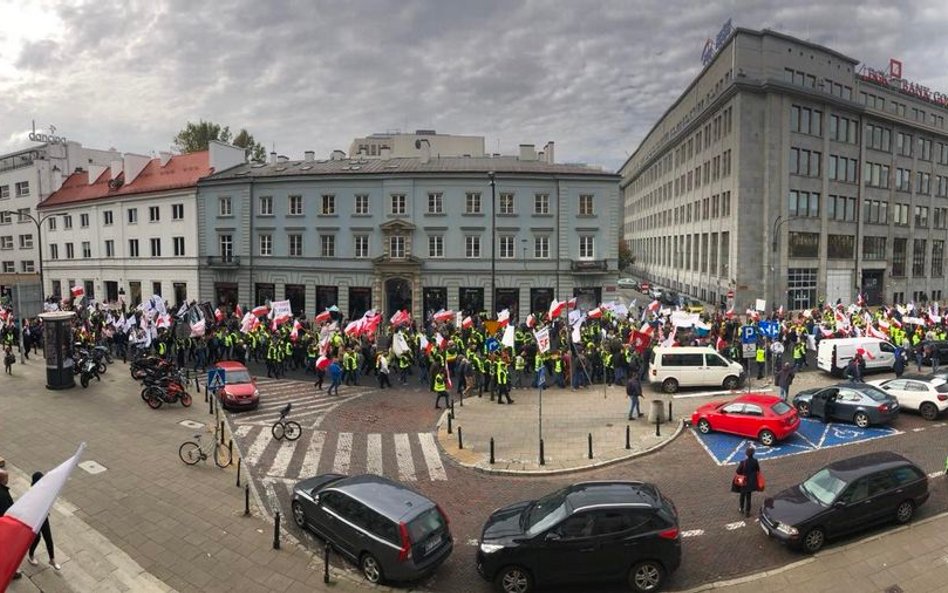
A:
<point x="656" y="291"/>
<point x="764" y="417"/>
<point x="843" y="497"/>
<point x="691" y="366"/>
<point x="693" y="305"/>
<point x="923" y="393"/>
<point x="240" y="389"/>
<point x="590" y="531"/>
<point x="669" y="298"/>
<point x="627" y="283"/>
<point x="940" y="345"/>
<point x="390" y="531"/>
<point x="644" y="288"/>
<point x="833" y="354"/>
<point x="859" y="403"/>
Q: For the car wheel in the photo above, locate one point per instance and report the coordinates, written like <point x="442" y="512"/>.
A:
<point x="929" y="411"/>
<point x="704" y="427"/>
<point x="803" y="409"/>
<point x="767" y="438"/>
<point x="731" y="383"/>
<point x="813" y="540"/>
<point x="646" y="577"/>
<point x="298" y="514"/>
<point x="515" y="579"/>
<point x="371" y="569"/>
<point x="904" y="513"/>
<point x="861" y="419"/>
<point x="669" y="386"/>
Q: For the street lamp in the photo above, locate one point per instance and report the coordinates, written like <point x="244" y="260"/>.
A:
<point x="39" y="242"/>
<point x="493" y="243"/>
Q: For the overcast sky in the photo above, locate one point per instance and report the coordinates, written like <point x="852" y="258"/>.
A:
<point x="592" y="76"/>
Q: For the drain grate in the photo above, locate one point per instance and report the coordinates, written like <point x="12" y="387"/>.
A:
<point x="894" y="589"/>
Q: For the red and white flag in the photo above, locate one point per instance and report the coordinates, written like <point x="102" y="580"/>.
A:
<point x="324" y="317"/>
<point x="730" y="313"/>
<point x="425" y="345"/>
<point x="654" y="306"/>
<point x="571" y="304"/>
<point x="443" y="316"/>
<point x="595" y="313"/>
<point x="260" y="310"/>
<point x="860" y="300"/>
<point x="163" y="321"/>
<point x="400" y="318"/>
<point x="720" y="344"/>
<point x="198" y="328"/>
<point x="556" y="309"/>
<point x="370" y="322"/>
<point x="439" y="339"/>
<point x="23" y="520"/>
<point x="531" y="320"/>
<point x="503" y="318"/>
<point x="246" y="323"/>
<point x="77" y="292"/>
<point x="875" y="333"/>
<point x="467" y="323"/>
<point x="295" y="332"/>
<point x="354" y="328"/>
<point x="640" y="341"/>
<point x="238" y="312"/>
<point x="218" y="314"/>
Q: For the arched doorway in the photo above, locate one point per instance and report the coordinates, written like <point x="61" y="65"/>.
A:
<point x="397" y="295"/>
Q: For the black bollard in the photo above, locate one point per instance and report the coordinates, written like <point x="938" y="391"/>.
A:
<point x="210" y="405"/>
<point x="326" y="563"/>
<point x="246" y="500"/>
<point x="238" y="472"/>
<point x="589" y="438"/>
<point x="276" y="531"/>
<point x="222" y="432"/>
<point x="658" y="424"/>
<point x="230" y="450"/>
<point x="199" y="389"/>
<point x="460" y="439"/>
<point x="452" y="407"/>
<point x="542" y="458"/>
<point x="450" y="428"/>
<point x="628" y="436"/>
<point x="669" y="411"/>
<point x="492" y="450"/>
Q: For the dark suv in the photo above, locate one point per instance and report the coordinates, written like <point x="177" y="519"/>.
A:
<point x="591" y="531"/>
<point x="392" y="532"/>
<point x="843" y="497"/>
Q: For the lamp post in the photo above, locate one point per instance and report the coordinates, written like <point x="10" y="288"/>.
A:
<point x="493" y="244"/>
<point x="39" y="242"/>
<point x="775" y="249"/>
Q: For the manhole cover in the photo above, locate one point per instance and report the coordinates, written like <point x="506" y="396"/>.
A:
<point x="191" y="424"/>
<point x="894" y="589"/>
<point x="93" y="467"/>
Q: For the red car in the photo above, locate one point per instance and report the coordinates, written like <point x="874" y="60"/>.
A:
<point x="764" y="417"/>
<point x="240" y="389"/>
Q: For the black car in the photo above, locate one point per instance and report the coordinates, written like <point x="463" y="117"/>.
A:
<point x="591" y="531"/>
<point x="392" y="532"/>
<point x="843" y="497"/>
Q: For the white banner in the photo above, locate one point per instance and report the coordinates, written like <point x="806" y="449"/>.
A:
<point x="399" y="344"/>
<point x="543" y="339"/>
<point x="685" y="319"/>
<point x="760" y="305"/>
<point x="281" y="309"/>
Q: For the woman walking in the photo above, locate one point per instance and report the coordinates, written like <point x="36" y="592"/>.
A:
<point x="46" y="534"/>
<point x="745" y="481"/>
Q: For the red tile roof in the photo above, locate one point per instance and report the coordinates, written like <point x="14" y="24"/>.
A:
<point x="180" y="171"/>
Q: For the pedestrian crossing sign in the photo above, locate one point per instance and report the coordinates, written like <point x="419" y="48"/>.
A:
<point x="216" y="379"/>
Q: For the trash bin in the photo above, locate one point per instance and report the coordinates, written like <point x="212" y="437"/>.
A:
<point x="656" y="411"/>
<point x="57" y="349"/>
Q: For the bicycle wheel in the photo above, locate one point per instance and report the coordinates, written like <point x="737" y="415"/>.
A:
<point x="190" y="452"/>
<point x="278" y="430"/>
<point x="221" y="455"/>
<point x="292" y="431"/>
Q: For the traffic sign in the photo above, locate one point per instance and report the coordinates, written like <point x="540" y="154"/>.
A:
<point x="769" y="329"/>
<point x="216" y="379"/>
<point x="748" y="334"/>
<point x="749" y="350"/>
<point x="730" y="294"/>
<point x="492" y="345"/>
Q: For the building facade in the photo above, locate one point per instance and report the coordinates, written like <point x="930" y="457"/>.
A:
<point x="129" y="231"/>
<point x="413" y="233"/>
<point x="789" y="173"/>
<point x="397" y="144"/>
<point x="28" y="177"/>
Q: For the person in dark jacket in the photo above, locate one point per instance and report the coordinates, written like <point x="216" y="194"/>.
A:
<point x="47" y="536"/>
<point x="6" y="501"/>
<point x="633" y="389"/>
<point x="899" y="364"/>
<point x="749" y="468"/>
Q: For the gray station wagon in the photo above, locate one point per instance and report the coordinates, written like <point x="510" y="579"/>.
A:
<point x="392" y="532"/>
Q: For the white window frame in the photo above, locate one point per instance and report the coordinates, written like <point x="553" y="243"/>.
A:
<point x="224" y="206"/>
<point x="154" y="214"/>
<point x="541" y="204"/>
<point x="228" y="241"/>
<point x="587" y="205"/>
<point x="294" y="245"/>
<point x="108" y="219"/>
<point x="436" y="246"/>
<point x="177" y="212"/>
<point x="86" y="247"/>
<point x="472" y="246"/>
<point x="587" y="247"/>
<point x="9" y="267"/>
<point x="155" y="245"/>
<point x="506" y="246"/>
<point x="435" y="203"/>
<point x="22" y="189"/>
<point x="84" y="220"/>
<point x="541" y="247"/>
<point x="6" y="242"/>
<point x="473" y="203"/>
<point x="27" y="266"/>
<point x="328" y="205"/>
<point x="360" y="246"/>
<point x="53" y="251"/>
<point x="178" y="246"/>
<point x="295" y="205"/>
<point x="398" y="204"/>
<point x="327" y="245"/>
<point x="507" y="203"/>
<point x="362" y="205"/>
<point x="26" y="241"/>
<point x="397" y="247"/>
<point x="110" y="248"/>
<point x="265" y="245"/>
<point x="132" y="217"/>
<point x="266" y="206"/>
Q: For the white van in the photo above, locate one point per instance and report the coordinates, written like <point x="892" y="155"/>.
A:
<point x="833" y="355"/>
<point x="693" y="366"/>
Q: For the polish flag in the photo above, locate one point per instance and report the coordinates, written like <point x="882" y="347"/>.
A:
<point x="218" y="315"/>
<point x="425" y="345"/>
<point x="860" y="300"/>
<point x="163" y="321"/>
<point x="640" y="341"/>
<point x="440" y="341"/>
<point x="354" y="328"/>
<point x="322" y="363"/>
<point x="531" y="320"/>
<point x="571" y="304"/>
<point x="371" y="321"/>
<point x="866" y="353"/>
<point x="595" y="313"/>
<point x="198" y="328"/>
<point x="730" y="313"/>
<point x="400" y="318"/>
<point x="503" y="318"/>
<point x="875" y="333"/>
<point x="443" y="316"/>
<point x="556" y="309"/>
<point x="295" y="332"/>
<point x="827" y="333"/>
<point x="22" y="521"/>
<point x="720" y="344"/>
<point x="654" y="306"/>
<point x="260" y="310"/>
<point x="238" y="312"/>
<point x="77" y="292"/>
<point x="324" y="317"/>
<point x="468" y="323"/>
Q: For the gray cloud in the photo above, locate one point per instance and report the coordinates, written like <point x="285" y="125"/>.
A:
<point x="593" y="76"/>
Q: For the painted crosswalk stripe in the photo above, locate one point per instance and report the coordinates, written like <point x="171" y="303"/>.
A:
<point x="735" y="525"/>
<point x="313" y="454"/>
<point x="258" y="446"/>
<point x="243" y="431"/>
<point x="343" y="453"/>
<point x="430" y="451"/>
<point x="692" y="533"/>
<point x="282" y="460"/>
<point x="406" y="467"/>
<point x="374" y="454"/>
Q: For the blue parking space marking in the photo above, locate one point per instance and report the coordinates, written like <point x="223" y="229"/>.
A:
<point x="812" y="435"/>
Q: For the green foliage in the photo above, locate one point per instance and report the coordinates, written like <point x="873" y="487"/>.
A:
<point x="195" y="137"/>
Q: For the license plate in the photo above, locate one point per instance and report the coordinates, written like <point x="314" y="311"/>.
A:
<point x="431" y="545"/>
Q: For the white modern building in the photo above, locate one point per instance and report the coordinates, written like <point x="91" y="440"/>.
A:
<point x="128" y="231"/>
<point x="399" y="145"/>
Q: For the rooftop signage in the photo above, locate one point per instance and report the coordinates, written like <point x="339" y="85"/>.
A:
<point x="50" y="138"/>
<point x="893" y="79"/>
<point x="712" y="47"/>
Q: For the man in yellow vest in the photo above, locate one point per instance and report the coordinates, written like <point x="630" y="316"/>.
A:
<point x="501" y="376"/>
<point x="440" y="387"/>
<point x="760" y="357"/>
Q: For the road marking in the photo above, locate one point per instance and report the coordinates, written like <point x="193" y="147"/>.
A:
<point x="406" y="467"/>
<point x="243" y="431"/>
<point x="735" y="525"/>
<point x="692" y="533"/>
<point x="258" y="446"/>
<point x="473" y="542"/>
<point x="313" y="454"/>
<point x="430" y="450"/>
<point x="939" y="424"/>
<point x="714" y="393"/>
<point x="343" y="453"/>
<point x="917" y="429"/>
<point x="282" y="459"/>
<point x="936" y="474"/>
<point x="373" y="463"/>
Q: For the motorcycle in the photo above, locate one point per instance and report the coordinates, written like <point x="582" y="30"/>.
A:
<point x="152" y="365"/>
<point x="88" y="369"/>
<point x="172" y="389"/>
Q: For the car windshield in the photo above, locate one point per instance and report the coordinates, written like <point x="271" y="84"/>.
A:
<point x="237" y="376"/>
<point x="780" y="408"/>
<point x="943" y="388"/>
<point x="425" y="524"/>
<point x="546" y="512"/>
<point x="823" y="487"/>
<point x="874" y="392"/>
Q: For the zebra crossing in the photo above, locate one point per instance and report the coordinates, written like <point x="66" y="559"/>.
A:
<point x="309" y="405"/>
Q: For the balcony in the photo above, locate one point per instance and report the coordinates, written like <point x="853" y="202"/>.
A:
<point x="223" y="261"/>
<point x="589" y="266"/>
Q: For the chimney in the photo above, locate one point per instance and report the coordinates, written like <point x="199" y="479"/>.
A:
<point x="116" y="167"/>
<point x="337" y="155"/>
<point x="548" y="150"/>
<point x="273" y="157"/>
<point x="282" y="158"/>
<point x="385" y="153"/>
<point x="134" y="165"/>
<point x="164" y="156"/>
<point x="309" y="156"/>
<point x="425" y="147"/>
<point x="528" y="152"/>
<point x="95" y="171"/>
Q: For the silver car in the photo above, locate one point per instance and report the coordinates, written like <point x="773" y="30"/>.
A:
<point x="859" y="403"/>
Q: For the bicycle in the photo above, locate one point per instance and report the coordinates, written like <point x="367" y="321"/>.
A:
<point x="191" y="452"/>
<point x="284" y="428"/>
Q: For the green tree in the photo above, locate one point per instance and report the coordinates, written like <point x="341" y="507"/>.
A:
<point x="195" y="137"/>
<point x="253" y="149"/>
<point x="625" y="255"/>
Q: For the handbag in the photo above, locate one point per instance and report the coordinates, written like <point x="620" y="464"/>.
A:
<point x="760" y="481"/>
<point x="738" y="483"/>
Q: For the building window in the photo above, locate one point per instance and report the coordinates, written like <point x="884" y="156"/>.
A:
<point x="295" y="245"/>
<point x="266" y="244"/>
<point x="876" y="174"/>
<point x="295" y="206"/>
<point x="224" y="206"/>
<point x="132" y="248"/>
<point x="587" y="247"/>
<point x="329" y="205"/>
<point x="225" y="246"/>
<point x="806" y="121"/>
<point x="472" y="204"/>
<point x="53" y="248"/>
<point x="436" y="246"/>
<point x="875" y="211"/>
<point x="903" y="144"/>
<point x="361" y="246"/>
<point x="506" y="247"/>
<point x="842" y="169"/>
<point x="801" y="288"/>
<point x="472" y="246"/>
<point x="843" y="129"/>
<point x="919" y="249"/>
<point x="26" y="266"/>
<point x="725" y="253"/>
<point x="86" y="250"/>
<point x="52" y="223"/>
<point x="67" y="221"/>
<point x="9" y="267"/>
<point x="900" y="214"/>
<point x="921" y="217"/>
<point x="841" y="208"/>
<point x="4" y="192"/>
<point x="840" y="246"/>
<point x="83" y="221"/>
<point x="22" y="189"/>
<point x="873" y="248"/>
<point x="541" y="204"/>
<point x="899" y="246"/>
<point x="396" y="247"/>
<point x="22" y="214"/>
<point x="109" y="248"/>
<point x="802" y="203"/>
<point x="154" y="214"/>
<point x="507" y="203"/>
<point x="924" y="149"/>
<point x="541" y="247"/>
<point x="177" y="212"/>
<point x="362" y="204"/>
<point x="178" y="245"/>
<point x="805" y="162"/>
<point x="878" y="138"/>
<point x="156" y="247"/>
<point x="586" y="205"/>
<point x="327" y="245"/>
<point x="435" y="203"/>
<point x="804" y="244"/>
<point x="923" y="183"/>
<point x="132" y="217"/>
<point x="26" y="241"/>
<point x="938" y="258"/>
<point x="107" y="218"/>
<point x="266" y="205"/>
<point x="903" y="179"/>
<point x="399" y="204"/>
